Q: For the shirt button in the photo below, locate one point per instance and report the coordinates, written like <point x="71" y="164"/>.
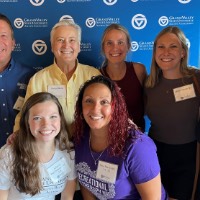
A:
<point x="7" y="133"/>
<point x="4" y="104"/>
<point x="5" y="119"/>
<point x="2" y="90"/>
<point x="1" y="76"/>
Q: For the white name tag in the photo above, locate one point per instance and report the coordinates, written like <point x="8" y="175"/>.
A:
<point x="58" y="170"/>
<point x="19" y="103"/>
<point x="107" y="171"/>
<point x="57" y="90"/>
<point x="184" y="92"/>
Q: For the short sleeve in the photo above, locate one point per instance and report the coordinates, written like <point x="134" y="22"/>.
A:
<point x="142" y="161"/>
<point x="5" y="168"/>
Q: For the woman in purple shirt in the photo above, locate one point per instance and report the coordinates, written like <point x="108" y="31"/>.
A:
<point x="114" y="160"/>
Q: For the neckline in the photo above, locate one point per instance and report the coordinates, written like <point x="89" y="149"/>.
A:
<point x="106" y="73"/>
<point x="92" y="152"/>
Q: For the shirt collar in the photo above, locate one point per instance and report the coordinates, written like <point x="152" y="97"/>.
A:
<point x="75" y="72"/>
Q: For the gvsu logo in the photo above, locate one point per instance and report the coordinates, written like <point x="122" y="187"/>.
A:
<point x="36" y="2"/>
<point x="110" y="2"/>
<point x="19" y="23"/>
<point x="39" y="47"/>
<point x="139" y="21"/>
<point x="163" y="21"/>
<point x="188" y="42"/>
<point x="90" y="22"/>
<point x="134" y="46"/>
<point x="60" y="1"/>
<point x="184" y="1"/>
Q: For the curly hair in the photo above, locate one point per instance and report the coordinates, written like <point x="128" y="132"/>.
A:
<point x="26" y="171"/>
<point x="118" y="126"/>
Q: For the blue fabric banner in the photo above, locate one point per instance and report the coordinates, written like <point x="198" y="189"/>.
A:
<point x="33" y="19"/>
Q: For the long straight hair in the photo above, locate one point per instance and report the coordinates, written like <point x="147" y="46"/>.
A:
<point x="155" y="72"/>
<point x="26" y="172"/>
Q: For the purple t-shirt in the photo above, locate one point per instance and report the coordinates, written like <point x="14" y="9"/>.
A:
<point x="139" y="165"/>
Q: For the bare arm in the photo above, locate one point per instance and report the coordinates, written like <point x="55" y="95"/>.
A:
<point x="3" y="194"/>
<point x="151" y="190"/>
<point x="87" y="195"/>
<point x="140" y="71"/>
<point x="68" y="192"/>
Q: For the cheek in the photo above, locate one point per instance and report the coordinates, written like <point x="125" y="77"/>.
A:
<point x="58" y="125"/>
<point x="79" y="48"/>
<point x="55" y="47"/>
<point x="106" y="49"/>
<point x="109" y="112"/>
<point x="76" y="47"/>
<point x="157" y="55"/>
<point x="124" y="48"/>
<point x="85" y="112"/>
<point x="32" y="126"/>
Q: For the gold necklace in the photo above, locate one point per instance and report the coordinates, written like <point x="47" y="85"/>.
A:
<point x="95" y="160"/>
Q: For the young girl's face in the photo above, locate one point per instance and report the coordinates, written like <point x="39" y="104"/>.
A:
<point x="44" y="121"/>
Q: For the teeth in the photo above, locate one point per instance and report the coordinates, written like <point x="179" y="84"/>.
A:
<point x="96" y="117"/>
<point x="166" y="59"/>
<point x="114" y="55"/>
<point x="66" y="51"/>
<point x="45" y="132"/>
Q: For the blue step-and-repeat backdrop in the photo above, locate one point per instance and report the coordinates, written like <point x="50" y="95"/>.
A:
<point x="33" y="19"/>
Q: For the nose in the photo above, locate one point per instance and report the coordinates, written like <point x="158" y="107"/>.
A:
<point x="65" y="43"/>
<point x="45" y="122"/>
<point x="166" y="50"/>
<point x="96" y="106"/>
<point x="115" y="45"/>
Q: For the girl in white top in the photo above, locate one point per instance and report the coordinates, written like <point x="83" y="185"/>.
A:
<point x="39" y="164"/>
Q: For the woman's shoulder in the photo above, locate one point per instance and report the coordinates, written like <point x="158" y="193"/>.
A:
<point x="138" y="141"/>
<point x="140" y="71"/>
<point x="6" y="153"/>
<point x="67" y="154"/>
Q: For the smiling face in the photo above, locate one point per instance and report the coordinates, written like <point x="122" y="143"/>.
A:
<point x="96" y="105"/>
<point x="115" y="46"/>
<point x="65" y="45"/>
<point x="7" y="44"/>
<point x="44" y="121"/>
<point x="168" y="53"/>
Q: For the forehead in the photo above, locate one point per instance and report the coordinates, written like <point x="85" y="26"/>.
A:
<point x="168" y="37"/>
<point x="65" y="31"/>
<point x="115" y="33"/>
<point x="97" y="89"/>
<point x="4" y="26"/>
<point x="46" y="106"/>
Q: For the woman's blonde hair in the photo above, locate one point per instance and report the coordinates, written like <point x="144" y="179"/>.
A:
<point x="108" y="29"/>
<point x="155" y="71"/>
